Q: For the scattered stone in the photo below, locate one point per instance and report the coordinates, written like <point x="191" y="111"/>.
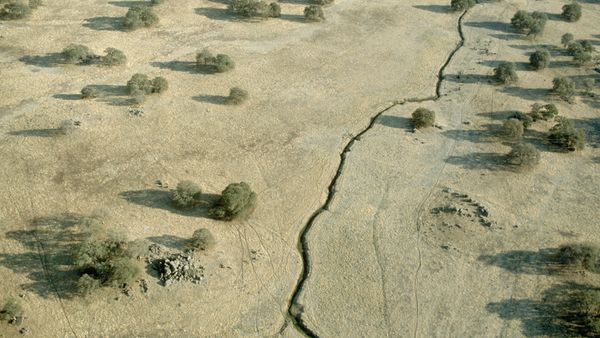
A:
<point x="144" y="286"/>
<point x="179" y="267"/>
<point x="447" y="190"/>
<point x="127" y="290"/>
<point x="24" y="331"/>
<point x="482" y="211"/>
<point x="445" y="246"/>
<point x="467" y="122"/>
<point x="138" y="112"/>
<point x="155" y="249"/>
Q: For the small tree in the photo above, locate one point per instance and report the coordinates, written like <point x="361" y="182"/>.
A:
<point x="202" y="239"/>
<point x="139" y="82"/>
<point x="571" y="12"/>
<point x="140" y="16"/>
<point x="14" y="11"/>
<point x="255" y="8"/>
<point x="529" y="23"/>
<point x="224" y="63"/>
<point x="33" y="4"/>
<point x="523" y="155"/>
<point x="205" y="57"/>
<point x="461" y="5"/>
<point x="314" y="13"/>
<point x="237" y="200"/>
<point x="581" y="256"/>
<point x="506" y="73"/>
<point x="526" y="119"/>
<point x="237" y="95"/>
<point x="512" y="129"/>
<point x="10" y="310"/>
<point x="582" y="58"/>
<point x="564" y="88"/>
<point x="423" y="118"/>
<point x="580" y="46"/>
<point x="566" y="39"/>
<point x="566" y="135"/>
<point x="186" y="195"/>
<point x="89" y="92"/>
<point x="159" y="84"/>
<point x="539" y="59"/>
<point x="543" y="112"/>
<point x="113" y="57"/>
<point x="77" y="54"/>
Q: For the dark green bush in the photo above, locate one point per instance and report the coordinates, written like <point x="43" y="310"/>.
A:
<point x="255" y="8"/>
<point x="461" y="5"/>
<point x="224" y="63"/>
<point x="580" y="256"/>
<point x="571" y="12"/>
<point x="237" y="200"/>
<point x="579" y="46"/>
<point x="139" y="82"/>
<point x="543" y="112"/>
<point x="321" y="2"/>
<point x="526" y="119"/>
<point x="77" y="54"/>
<point x="523" y="155"/>
<point x="221" y="63"/>
<point x="274" y="10"/>
<point x="140" y="16"/>
<point x="564" y="88"/>
<point x="539" y="59"/>
<point x="33" y="4"/>
<point x="156" y="2"/>
<point x="89" y="92"/>
<point x="566" y="39"/>
<point x="14" y="11"/>
<point x="506" y="73"/>
<point x="512" y="129"/>
<point x="113" y="57"/>
<point x="159" y="84"/>
<point x="529" y="23"/>
<point x="314" y="13"/>
<point x="423" y="118"/>
<point x="237" y="95"/>
<point x="202" y="239"/>
<point x="10" y="310"/>
<point x="582" y="58"/>
<point x="565" y="135"/>
<point x="185" y="195"/>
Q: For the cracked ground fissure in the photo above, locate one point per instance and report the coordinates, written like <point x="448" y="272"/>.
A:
<point x="294" y="308"/>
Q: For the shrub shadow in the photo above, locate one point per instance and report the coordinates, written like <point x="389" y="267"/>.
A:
<point x="161" y="199"/>
<point x="488" y="135"/>
<point x="169" y="241"/>
<point x="534" y="94"/>
<point x="435" y="8"/>
<point x="519" y="65"/>
<point x="396" y="122"/>
<point x="541" y="262"/>
<point x="68" y="97"/>
<point x="552" y="49"/>
<point x="46" y="132"/>
<point x="114" y="95"/>
<point x="508" y="37"/>
<point x="129" y="3"/>
<point x="478" y="161"/>
<point x="469" y="78"/>
<point x="104" y="23"/>
<point x="48" y="60"/>
<point x="214" y="99"/>
<point x="492" y="25"/>
<point x="212" y="13"/>
<point x="294" y="18"/>
<point x="185" y="66"/>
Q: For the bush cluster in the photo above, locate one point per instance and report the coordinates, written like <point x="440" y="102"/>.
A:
<point x="237" y="95"/>
<point x="104" y="261"/>
<point x="80" y="54"/>
<point x="581" y="51"/>
<point x="113" y="57"/>
<point x="523" y="155"/>
<point x="461" y="5"/>
<point x="512" y="129"/>
<point x="237" y="200"/>
<point x="140" y="85"/>
<point x="564" y="88"/>
<point x="580" y="256"/>
<point x="544" y="112"/>
<point x="220" y="63"/>
<point x="566" y="39"/>
<point x="526" y="119"/>
<point x="14" y="10"/>
<point x="314" y="13"/>
<point x="10" y="310"/>
<point x="529" y="23"/>
<point x="89" y="92"/>
<point x="202" y="239"/>
<point x="571" y="12"/>
<point x="185" y="195"/>
<point x="255" y="9"/>
<point x="565" y="135"/>
<point x="423" y="118"/>
<point x="140" y="16"/>
<point x="506" y="73"/>
<point x="539" y="59"/>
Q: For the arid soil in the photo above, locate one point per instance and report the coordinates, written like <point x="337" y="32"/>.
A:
<point x="381" y="263"/>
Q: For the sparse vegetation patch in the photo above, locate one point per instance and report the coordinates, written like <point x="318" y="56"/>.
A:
<point x="237" y="200"/>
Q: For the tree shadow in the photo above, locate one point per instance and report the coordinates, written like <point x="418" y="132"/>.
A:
<point x="48" y="262"/>
<point x="47" y="60"/>
<point x="129" y="3"/>
<point x="104" y="23"/>
<point x="492" y="25"/>
<point x="554" y="17"/>
<point x="294" y="18"/>
<point x="214" y="99"/>
<point x="435" y="8"/>
<point x="67" y="97"/>
<point x="45" y="132"/>
<point x="469" y="78"/>
<point x="552" y="49"/>
<point x="185" y="66"/>
<point x="508" y="37"/>
<point x="591" y="128"/>
<point x="501" y="115"/>
<point x="557" y="314"/>
<point x="519" y="65"/>
<point x="488" y="135"/>
<point x="114" y="95"/>
<point x="161" y="199"/>
<point x="541" y="262"/>
<point x="534" y="94"/>
<point x="480" y="160"/>
<point x="212" y="13"/>
<point x="169" y="241"/>
<point x="396" y="122"/>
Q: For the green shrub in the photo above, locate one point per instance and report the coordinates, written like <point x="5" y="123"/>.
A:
<point x="10" y="310"/>
<point x="314" y="13"/>
<point x="523" y="155"/>
<point x="589" y="312"/>
<point x="564" y="88"/>
<point x="539" y="59"/>
<point x="580" y="256"/>
<point x="113" y="57"/>
<point x="461" y="5"/>
<point x="202" y="239"/>
<point x="14" y="11"/>
<point x="529" y="23"/>
<point x="579" y="46"/>
<point x="87" y="284"/>
<point x="119" y="271"/>
<point x="205" y="58"/>
<point x="543" y="112"/>
<point x="506" y="73"/>
<point x="565" y="135"/>
<point x="255" y="8"/>
<point x="237" y="95"/>
<point x="33" y="4"/>
<point x="159" y="84"/>
<point x="140" y="16"/>
<point x="566" y="39"/>
<point x="185" y="195"/>
<point x="571" y="12"/>
<point x="512" y="129"/>
<point x="139" y="82"/>
<point x="77" y="54"/>
<point x="89" y="92"/>
<point x="526" y="119"/>
<point x="237" y="200"/>
<point x="423" y="118"/>
<point x="66" y="127"/>
<point x="582" y="58"/>
<point x="224" y="63"/>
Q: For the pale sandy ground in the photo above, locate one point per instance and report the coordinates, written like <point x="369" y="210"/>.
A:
<point x="378" y="266"/>
<point x="312" y="86"/>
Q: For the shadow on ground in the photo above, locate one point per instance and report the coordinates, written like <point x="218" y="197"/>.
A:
<point x="104" y="23"/>
<point x="161" y="199"/>
<point x="214" y="99"/>
<point x="185" y="66"/>
<point x="47" y="60"/>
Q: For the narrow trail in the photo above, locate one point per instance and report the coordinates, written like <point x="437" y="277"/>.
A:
<point x="294" y="308"/>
